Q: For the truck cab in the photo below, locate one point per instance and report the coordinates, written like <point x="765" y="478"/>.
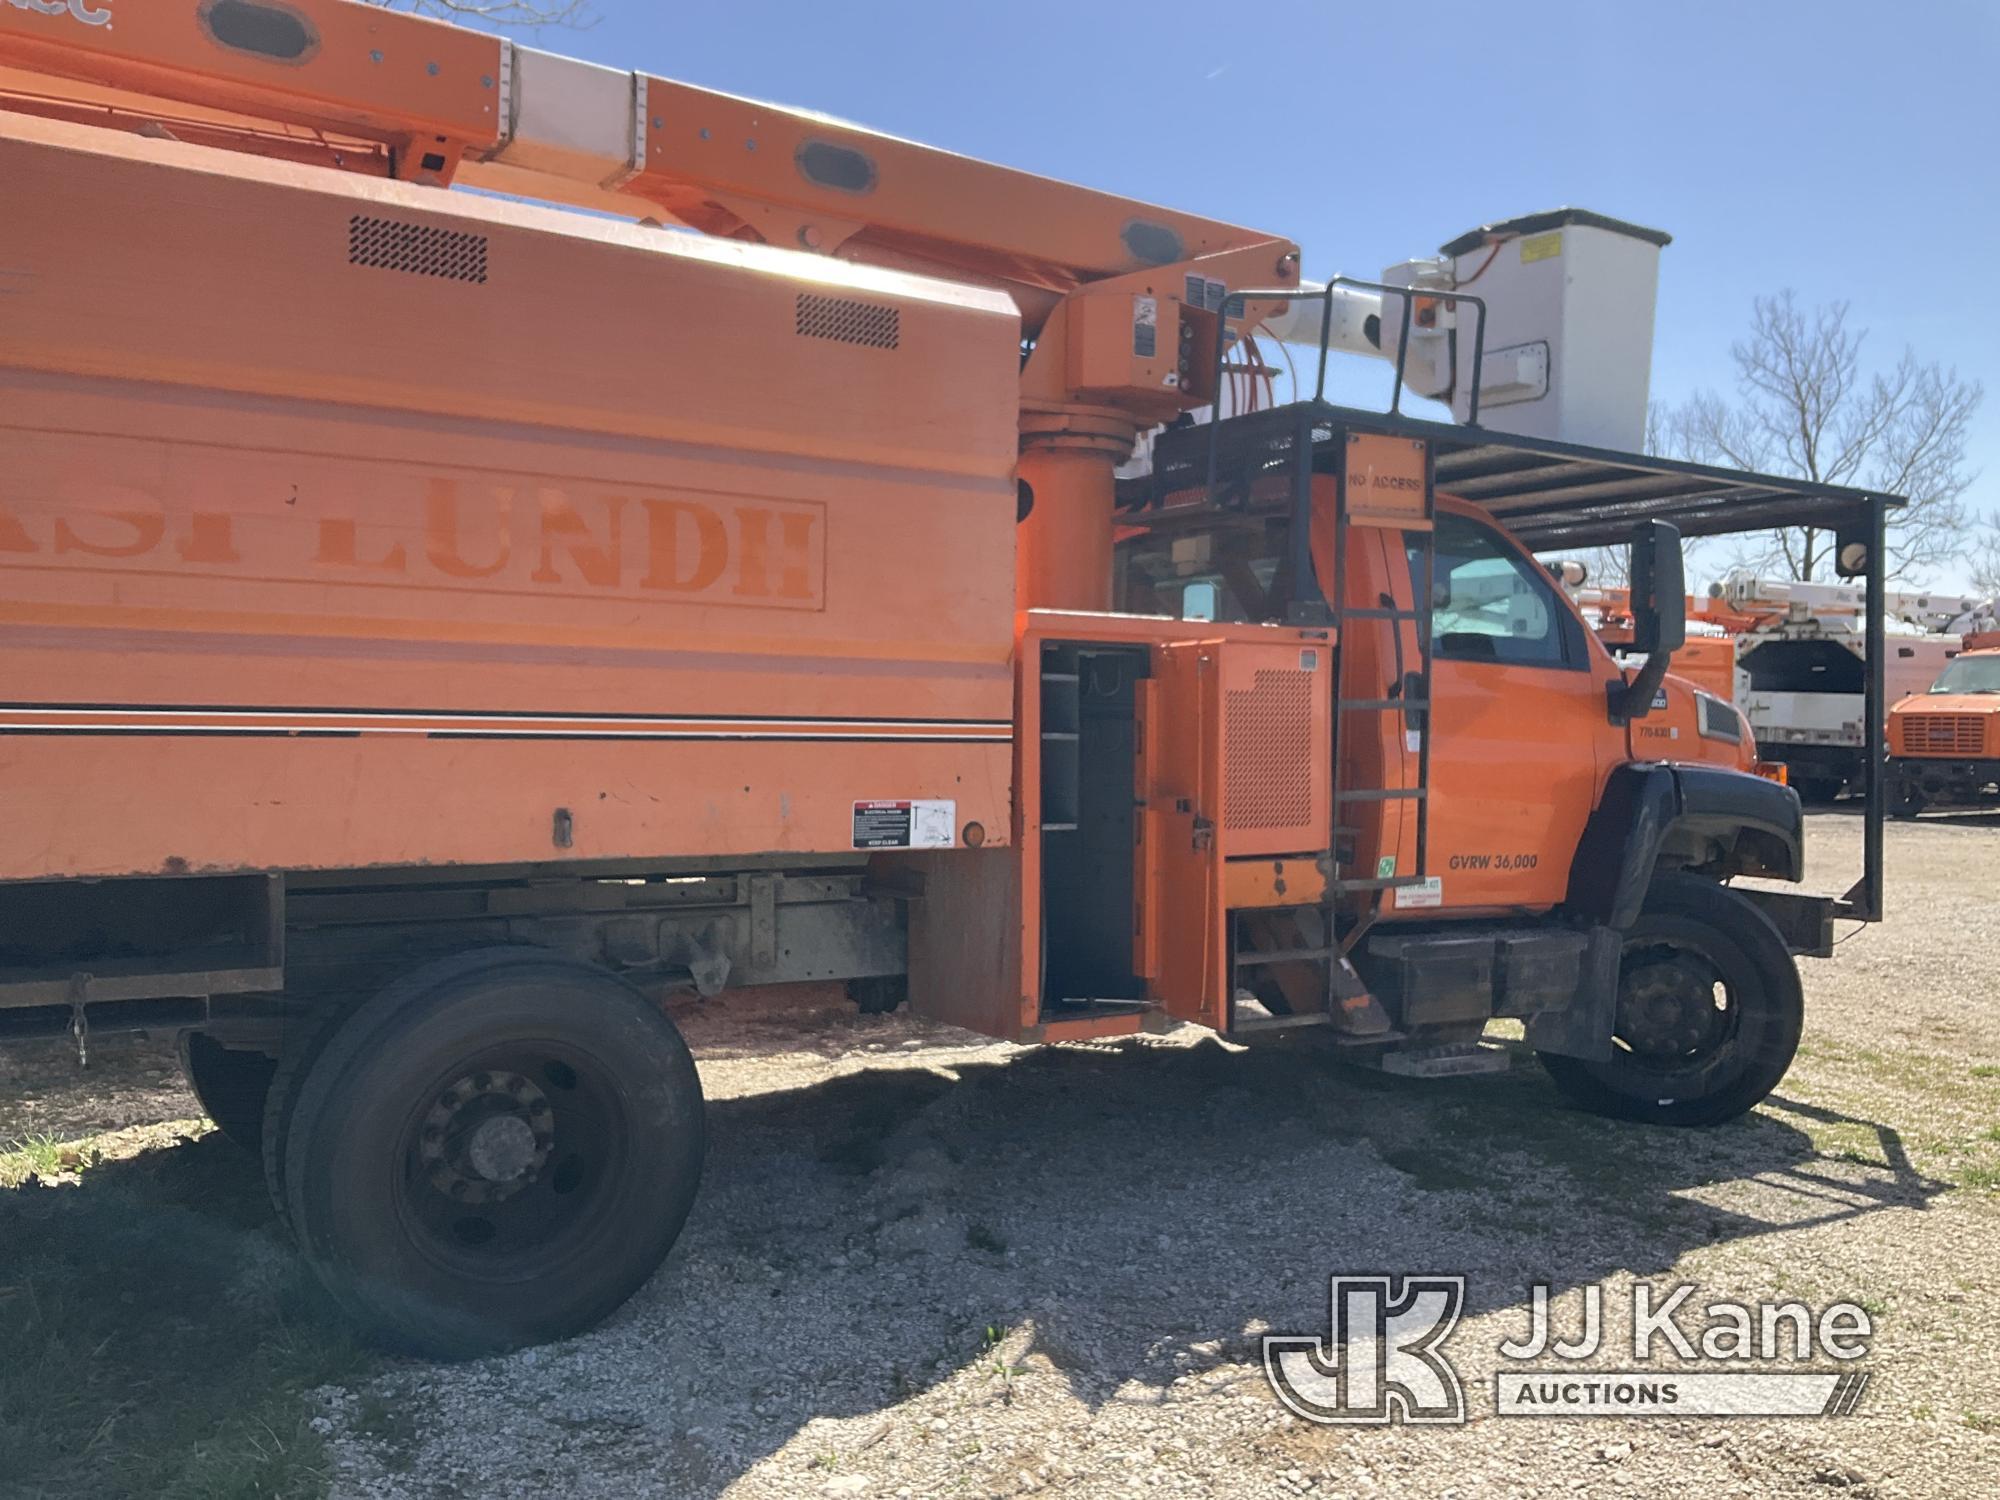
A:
<point x="1516" y="815"/>
<point x="1944" y="743"/>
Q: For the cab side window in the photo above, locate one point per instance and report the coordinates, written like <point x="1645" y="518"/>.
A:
<point x="1489" y="603"/>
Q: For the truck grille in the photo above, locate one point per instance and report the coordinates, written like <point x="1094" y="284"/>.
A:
<point x="1942" y="734"/>
<point x="1268" y="783"/>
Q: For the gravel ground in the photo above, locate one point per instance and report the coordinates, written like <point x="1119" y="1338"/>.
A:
<point x="925" y="1265"/>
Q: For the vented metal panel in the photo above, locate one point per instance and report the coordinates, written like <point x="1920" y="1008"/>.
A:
<point x="420" y="249"/>
<point x="1268" y="766"/>
<point x="1942" y="734"/>
<point x="847" y="321"/>
<point x="1718" y="719"/>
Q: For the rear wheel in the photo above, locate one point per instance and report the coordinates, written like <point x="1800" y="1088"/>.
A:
<point x="304" y="1038"/>
<point x="230" y="1083"/>
<point x="1906" y="802"/>
<point x="880" y="996"/>
<point x="1709" y="1012"/>
<point x="496" y="1150"/>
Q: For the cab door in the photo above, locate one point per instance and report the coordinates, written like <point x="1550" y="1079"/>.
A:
<point x="1518" y="716"/>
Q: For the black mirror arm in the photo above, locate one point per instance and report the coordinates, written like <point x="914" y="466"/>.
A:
<point x="1634" y="699"/>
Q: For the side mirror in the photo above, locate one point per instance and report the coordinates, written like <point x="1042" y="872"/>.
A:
<point x="1659" y="615"/>
<point x="1659" y="588"/>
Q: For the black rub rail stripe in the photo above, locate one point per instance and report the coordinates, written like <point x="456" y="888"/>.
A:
<point x="279" y="710"/>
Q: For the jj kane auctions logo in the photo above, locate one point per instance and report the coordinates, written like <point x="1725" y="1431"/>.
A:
<point x="1382" y="1359"/>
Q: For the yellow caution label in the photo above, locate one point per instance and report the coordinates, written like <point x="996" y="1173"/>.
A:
<point x="1541" y="247"/>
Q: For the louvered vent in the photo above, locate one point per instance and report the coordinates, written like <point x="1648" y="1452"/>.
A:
<point x="1267" y="781"/>
<point x="847" y="321"/>
<point x="420" y="249"/>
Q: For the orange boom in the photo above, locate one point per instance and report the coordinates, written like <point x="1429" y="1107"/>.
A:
<point x="437" y="624"/>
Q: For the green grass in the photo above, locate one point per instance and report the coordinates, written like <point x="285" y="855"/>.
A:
<point x="1984" y="1176"/>
<point x="158" y="1336"/>
<point x="42" y="1156"/>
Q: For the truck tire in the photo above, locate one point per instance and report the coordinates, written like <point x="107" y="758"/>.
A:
<point x="497" y="1150"/>
<point x="305" y="1037"/>
<point x="1709" y="1012"/>
<point x="231" y="1084"/>
<point x="878" y="997"/>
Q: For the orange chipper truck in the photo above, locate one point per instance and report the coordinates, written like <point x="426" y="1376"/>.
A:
<point x="437" y="624"/>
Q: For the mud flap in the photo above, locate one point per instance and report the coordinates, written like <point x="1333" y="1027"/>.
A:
<point x="1583" y="1027"/>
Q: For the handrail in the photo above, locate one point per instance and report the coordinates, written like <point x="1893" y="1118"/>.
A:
<point x="1238" y="301"/>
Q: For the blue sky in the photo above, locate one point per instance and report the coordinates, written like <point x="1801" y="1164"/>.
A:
<point x="1841" y="149"/>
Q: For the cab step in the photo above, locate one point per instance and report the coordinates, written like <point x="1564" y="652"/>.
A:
<point x="1243" y="1025"/>
<point x="1453" y="1060"/>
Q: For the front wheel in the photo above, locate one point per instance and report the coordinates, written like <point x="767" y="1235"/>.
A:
<point x="1709" y="1012"/>
<point x="496" y="1150"/>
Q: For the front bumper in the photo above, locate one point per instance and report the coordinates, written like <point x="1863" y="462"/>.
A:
<point x="1936" y="777"/>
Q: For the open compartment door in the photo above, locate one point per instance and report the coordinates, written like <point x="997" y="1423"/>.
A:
<point x="1235" y="764"/>
<point x="1181" y="933"/>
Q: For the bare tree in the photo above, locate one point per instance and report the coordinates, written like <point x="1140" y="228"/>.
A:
<point x="522" y="13"/>
<point x="1986" y="557"/>
<point x="1805" y="407"/>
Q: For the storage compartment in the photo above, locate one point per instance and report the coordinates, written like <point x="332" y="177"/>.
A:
<point x="1088" y="748"/>
<point x="1537" y="971"/>
<point x="1431" y="980"/>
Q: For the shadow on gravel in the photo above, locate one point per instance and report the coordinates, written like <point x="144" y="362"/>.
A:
<point x="1147" y="1210"/>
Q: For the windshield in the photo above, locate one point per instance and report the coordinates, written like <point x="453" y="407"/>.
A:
<point x="1970" y="674"/>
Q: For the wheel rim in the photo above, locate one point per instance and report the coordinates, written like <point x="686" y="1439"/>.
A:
<point x="510" y="1161"/>
<point x="1676" y="1013"/>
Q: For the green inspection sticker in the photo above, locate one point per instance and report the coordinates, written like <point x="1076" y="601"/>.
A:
<point x="1385" y="867"/>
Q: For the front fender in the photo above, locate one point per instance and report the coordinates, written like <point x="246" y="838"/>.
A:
<point x="1705" y="818"/>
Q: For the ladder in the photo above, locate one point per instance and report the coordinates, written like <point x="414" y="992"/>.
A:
<point x="1408" y="695"/>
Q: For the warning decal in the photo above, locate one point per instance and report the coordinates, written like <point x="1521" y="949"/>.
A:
<point x="905" y="825"/>
<point x="1145" y="327"/>
<point x="1426" y="892"/>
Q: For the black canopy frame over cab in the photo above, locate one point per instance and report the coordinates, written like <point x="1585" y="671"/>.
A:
<point x="1554" y="496"/>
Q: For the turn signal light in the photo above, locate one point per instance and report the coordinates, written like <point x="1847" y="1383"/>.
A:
<point x="1773" y="770"/>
